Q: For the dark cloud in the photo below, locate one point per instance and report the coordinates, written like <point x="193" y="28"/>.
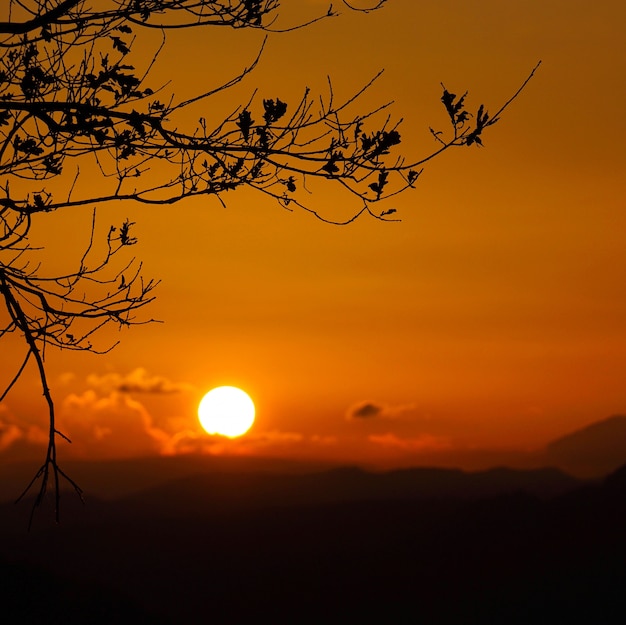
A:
<point x="155" y="385"/>
<point x="137" y="381"/>
<point x="365" y="410"/>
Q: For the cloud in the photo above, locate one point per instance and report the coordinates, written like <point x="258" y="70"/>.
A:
<point x="373" y="410"/>
<point x="197" y="441"/>
<point x="9" y="434"/>
<point x="118" y="425"/>
<point x="106" y="422"/>
<point x="424" y="442"/>
<point x="365" y="410"/>
<point x="317" y="439"/>
<point x="66" y="378"/>
<point x="137" y="381"/>
<point x="111" y="426"/>
<point x="19" y="440"/>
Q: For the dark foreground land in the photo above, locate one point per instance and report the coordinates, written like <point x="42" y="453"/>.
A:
<point x="428" y="547"/>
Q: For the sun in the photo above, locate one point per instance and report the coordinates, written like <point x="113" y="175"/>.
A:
<point x="226" y="410"/>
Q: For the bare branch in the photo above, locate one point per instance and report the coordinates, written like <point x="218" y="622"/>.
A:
<point x="72" y="103"/>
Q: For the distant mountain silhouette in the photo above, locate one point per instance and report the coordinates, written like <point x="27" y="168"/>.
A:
<point x="110" y="479"/>
<point x="214" y="488"/>
<point x="594" y="450"/>
<point x="342" y="547"/>
<point x="209" y="491"/>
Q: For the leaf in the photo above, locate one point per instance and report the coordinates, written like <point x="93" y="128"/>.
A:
<point x="448" y="101"/>
<point x="28" y="146"/>
<point x="379" y="143"/>
<point x="234" y="170"/>
<point x="273" y="110"/>
<point x="100" y="136"/>
<point x="125" y="238"/>
<point x="377" y="187"/>
<point x="454" y="106"/>
<point x="156" y="106"/>
<point x="53" y="164"/>
<point x="481" y="117"/>
<point x="367" y="142"/>
<point x="387" y="140"/>
<point x="39" y="201"/>
<point x="263" y="137"/>
<point x="137" y="123"/>
<point x="119" y="45"/>
<point x="331" y="166"/>
<point x="412" y="176"/>
<point x="244" y="123"/>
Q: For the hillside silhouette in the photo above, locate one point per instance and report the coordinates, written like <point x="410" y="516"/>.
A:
<point x="596" y="449"/>
<point x="341" y="546"/>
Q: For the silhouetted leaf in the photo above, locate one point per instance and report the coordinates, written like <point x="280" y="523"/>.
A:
<point x="387" y="140"/>
<point x="119" y="45"/>
<point x="377" y="187"/>
<point x="448" y="101"/>
<point x="27" y="146"/>
<point x="379" y="143"/>
<point x="234" y="170"/>
<point x="454" y="106"/>
<point x="100" y="136"/>
<point x="412" y="176"/>
<point x="244" y="123"/>
<point x="53" y="164"/>
<point x="137" y="123"/>
<point x="331" y="166"/>
<point x="38" y="201"/>
<point x="273" y="110"/>
<point x="263" y="137"/>
<point x="482" y="117"/>
<point x="156" y="106"/>
<point x="125" y="238"/>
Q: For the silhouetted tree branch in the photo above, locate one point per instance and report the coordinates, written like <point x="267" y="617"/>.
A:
<point x="71" y="101"/>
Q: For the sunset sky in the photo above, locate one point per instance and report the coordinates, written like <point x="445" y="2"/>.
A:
<point x="490" y="319"/>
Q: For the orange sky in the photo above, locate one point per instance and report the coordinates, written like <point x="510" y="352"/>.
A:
<point x="492" y="317"/>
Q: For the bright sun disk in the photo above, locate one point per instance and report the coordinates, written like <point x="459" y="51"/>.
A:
<point x="226" y="410"/>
